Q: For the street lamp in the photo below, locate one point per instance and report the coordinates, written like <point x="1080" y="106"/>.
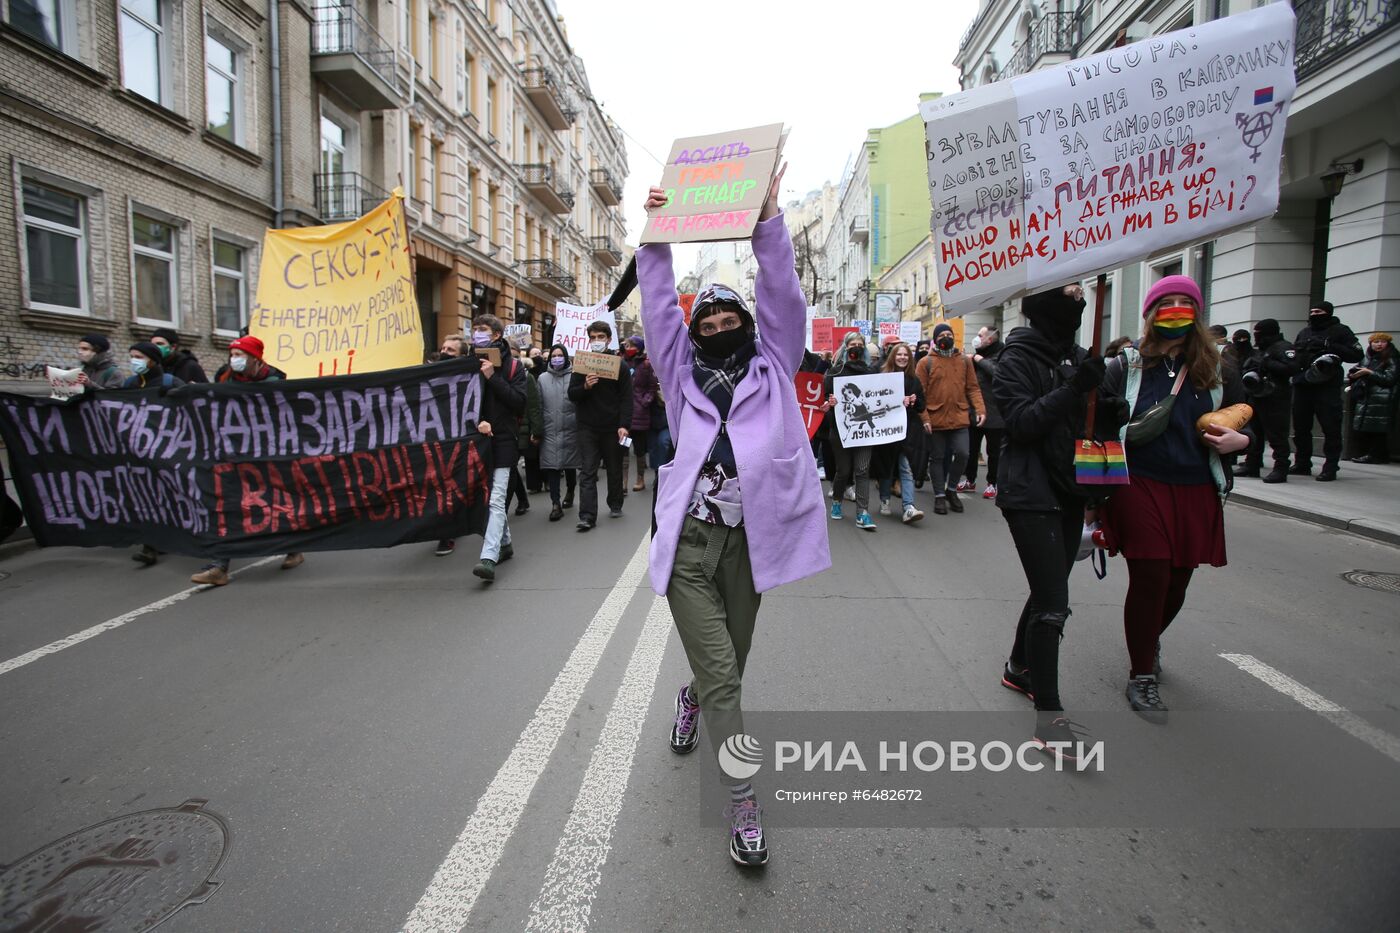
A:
<point x="1337" y="174"/>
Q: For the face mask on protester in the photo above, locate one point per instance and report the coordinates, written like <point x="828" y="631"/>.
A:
<point x="723" y="344"/>
<point x="945" y="343"/>
<point x="631" y="351"/>
<point x="598" y="346"/>
<point x="481" y="338"/>
<point x="238" y="363"/>
<point x="855" y="353"/>
<point x="86" y="356"/>
<point x="977" y="342"/>
<point x="165" y="352"/>
<point x="558" y="363"/>
<point x="1173" y="321"/>
<point x="138" y="365"/>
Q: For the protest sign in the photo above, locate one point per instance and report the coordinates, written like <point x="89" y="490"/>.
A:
<point x="492" y="354"/>
<point x="822" y="341"/>
<point x="687" y="303"/>
<point x="64" y="382"/>
<point x="866" y="328"/>
<point x="571" y="325"/>
<point x="869" y="409"/>
<point x="838" y="334"/>
<point x="715" y="185"/>
<point x="603" y="365"/>
<point x="1084" y="166"/>
<point x="339" y="298"/>
<point x="889" y="332"/>
<point x="519" y="336"/>
<point x="240" y="469"/>
<point x="810" y="395"/>
<point x="909" y="332"/>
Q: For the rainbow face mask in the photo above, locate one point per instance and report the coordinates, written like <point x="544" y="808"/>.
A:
<point x="1173" y="321"/>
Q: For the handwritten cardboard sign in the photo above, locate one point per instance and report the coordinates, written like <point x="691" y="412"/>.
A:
<point x="716" y="185"/>
<point x="571" y="324"/>
<point x="889" y="332"/>
<point x="64" y="382"/>
<point x="909" y="332"/>
<point x="1071" y="170"/>
<point x="822" y="334"/>
<point x="869" y="409"/>
<point x="519" y="335"/>
<point x="602" y="365"/>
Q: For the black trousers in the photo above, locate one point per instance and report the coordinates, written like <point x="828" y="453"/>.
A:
<point x="534" y="477"/>
<point x="993" y="436"/>
<point x="595" y="446"/>
<point x="1046" y="542"/>
<point x="1271" y="415"/>
<point x="1325" y="404"/>
<point x="516" y="488"/>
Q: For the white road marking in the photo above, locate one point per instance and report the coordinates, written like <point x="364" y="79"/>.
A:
<point x="77" y="638"/>
<point x="459" y="880"/>
<point x="571" y="882"/>
<point x="1342" y="718"/>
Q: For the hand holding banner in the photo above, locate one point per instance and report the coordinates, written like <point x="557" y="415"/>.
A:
<point x="870" y="409"/>
<point x="602" y="365"/>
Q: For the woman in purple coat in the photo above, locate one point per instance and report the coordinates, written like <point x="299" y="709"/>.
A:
<point x="739" y="510"/>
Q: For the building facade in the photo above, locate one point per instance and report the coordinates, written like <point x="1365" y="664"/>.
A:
<point x="150" y="144"/>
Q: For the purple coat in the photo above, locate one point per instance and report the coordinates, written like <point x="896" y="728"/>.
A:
<point x="784" y="509"/>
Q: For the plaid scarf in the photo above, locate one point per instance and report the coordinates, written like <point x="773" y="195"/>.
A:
<point x="717" y="379"/>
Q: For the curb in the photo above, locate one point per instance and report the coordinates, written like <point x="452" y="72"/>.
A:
<point x="1351" y="526"/>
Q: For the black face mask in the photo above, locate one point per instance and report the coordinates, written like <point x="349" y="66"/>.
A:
<point x="721" y="345"/>
<point x="1242" y="346"/>
<point x="856" y="354"/>
<point x="1061" y="321"/>
<point x="1319" y="321"/>
<point x="945" y="344"/>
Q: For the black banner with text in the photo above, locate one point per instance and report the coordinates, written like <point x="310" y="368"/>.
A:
<point x="249" y="469"/>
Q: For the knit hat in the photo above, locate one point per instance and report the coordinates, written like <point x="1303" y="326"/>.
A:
<point x="638" y="342"/>
<point x="168" y="334"/>
<point x="714" y="298"/>
<point x="1324" y="305"/>
<point x="249" y="345"/>
<point x="1173" y="285"/>
<point x="942" y="327"/>
<point x="148" y="350"/>
<point x="98" y="342"/>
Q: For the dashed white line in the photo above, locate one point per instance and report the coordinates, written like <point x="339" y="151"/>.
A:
<point x="459" y="880"/>
<point x="77" y="638"/>
<point x="1344" y="719"/>
<point x="571" y="882"/>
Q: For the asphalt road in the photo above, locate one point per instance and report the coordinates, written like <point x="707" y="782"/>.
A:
<point x="394" y="744"/>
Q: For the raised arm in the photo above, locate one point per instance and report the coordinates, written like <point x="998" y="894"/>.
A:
<point x="780" y="308"/>
<point x="663" y="322"/>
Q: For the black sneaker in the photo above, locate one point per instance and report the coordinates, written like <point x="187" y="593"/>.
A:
<point x="1277" y="475"/>
<point x="485" y="569"/>
<point x="954" y="502"/>
<point x="1052" y="727"/>
<point x="747" y="845"/>
<point x="147" y="555"/>
<point x="522" y="508"/>
<point x="585" y="524"/>
<point x="685" y="732"/>
<point x="1021" y="682"/>
<point x="1143" y="698"/>
<point x="445" y="547"/>
<point x="507" y="552"/>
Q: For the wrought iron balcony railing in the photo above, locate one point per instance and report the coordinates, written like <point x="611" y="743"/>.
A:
<point x="341" y="32"/>
<point x="1052" y="33"/>
<point x="346" y="195"/>
<point x="1329" y="29"/>
<point x="548" y="275"/>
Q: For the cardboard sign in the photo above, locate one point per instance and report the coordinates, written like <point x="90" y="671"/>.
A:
<point x="602" y="365"/>
<point x="838" y="334"/>
<point x="339" y="299"/>
<point x="519" y="336"/>
<point x="571" y="325"/>
<point x="869" y="409"/>
<point x="715" y="186"/>
<point x="1082" y="167"/>
<point x="889" y="332"/>
<point x="493" y="354"/>
<point x="910" y="332"/>
<point x="64" y="382"/>
<point x="822" y="338"/>
<point x="810" y="389"/>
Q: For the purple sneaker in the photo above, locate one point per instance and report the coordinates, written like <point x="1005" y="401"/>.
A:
<point x="747" y="845"/>
<point x="685" y="734"/>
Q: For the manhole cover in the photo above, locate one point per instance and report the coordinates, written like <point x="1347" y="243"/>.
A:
<point x="129" y="873"/>
<point x="1374" y="580"/>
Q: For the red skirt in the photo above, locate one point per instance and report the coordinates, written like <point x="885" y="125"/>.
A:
<point x="1149" y="520"/>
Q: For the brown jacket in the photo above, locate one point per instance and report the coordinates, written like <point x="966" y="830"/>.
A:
<point x="950" y="383"/>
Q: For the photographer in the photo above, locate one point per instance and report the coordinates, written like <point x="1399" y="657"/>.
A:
<point x="1322" y="347"/>
<point x="1267" y="373"/>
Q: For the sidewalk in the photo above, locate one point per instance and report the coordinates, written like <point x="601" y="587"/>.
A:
<point x="1364" y="499"/>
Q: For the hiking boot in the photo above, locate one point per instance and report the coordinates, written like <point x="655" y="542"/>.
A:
<point x="836" y="514"/>
<point x="147" y="555"/>
<point x="864" y="522"/>
<point x="1020" y="682"/>
<point x="747" y="845"/>
<point x="445" y="547"/>
<point x="293" y="560"/>
<point x="990" y="492"/>
<point x="485" y="569"/>
<point x="1279" y="474"/>
<point x="954" y="502"/>
<point x="1053" y="727"/>
<point x="912" y="514"/>
<point x="1143" y="698"/>
<point x="213" y="575"/>
<point x="556" y="513"/>
<point x="685" y="731"/>
<point x="940" y="505"/>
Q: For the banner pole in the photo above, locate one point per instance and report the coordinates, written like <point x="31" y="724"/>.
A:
<point x="1096" y="349"/>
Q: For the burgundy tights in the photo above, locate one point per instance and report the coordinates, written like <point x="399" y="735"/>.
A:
<point x="1156" y="591"/>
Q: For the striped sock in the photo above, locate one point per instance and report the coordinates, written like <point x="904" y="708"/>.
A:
<point x="741" y="793"/>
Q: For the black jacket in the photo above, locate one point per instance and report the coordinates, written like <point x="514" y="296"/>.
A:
<point x="183" y="365"/>
<point x="1044" y="415"/>
<point x="1277" y="361"/>
<point x="1336" y="338"/>
<point x="605" y="407"/>
<point x="986" y="374"/>
<point x="502" y="404"/>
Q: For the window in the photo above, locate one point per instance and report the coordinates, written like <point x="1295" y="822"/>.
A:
<point x="464" y="83"/>
<point x="55" y="243"/>
<point x="222" y="97"/>
<point x="49" y="21"/>
<point x="490" y="107"/>
<point x="414" y="161"/>
<point x="143" y="48"/>
<point x="230" y="287"/>
<point x="153" y="244"/>
<point x="435" y="192"/>
<point x="473" y="179"/>
<point x="430" y="56"/>
<point x="339" y="191"/>
<point x="491" y="193"/>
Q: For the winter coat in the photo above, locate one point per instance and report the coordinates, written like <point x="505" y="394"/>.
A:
<point x="183" y="365"/>
<point x="1336" y="338"/>
<point x="1373" y="396"/>
<point x="605" y="407"/>
<point x="503" y="405"/>
<point x="644" y="386"/>
<point x="559" y="442"/>
<point x="102" y="372"/>
<point x="986" y="372"/>
<point x="531" y="423"/>
<point x="950" y="383"/>
<point x="784" y="510"/>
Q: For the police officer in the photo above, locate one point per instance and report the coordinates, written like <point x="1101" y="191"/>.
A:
<point x="1322" y="346"/>
<point x="1267" y="371"/>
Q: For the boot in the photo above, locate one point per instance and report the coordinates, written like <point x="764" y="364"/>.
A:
<point x="1279" y="474"/>
<point x="1244" y="469"/>
<point x="641" y="474"/>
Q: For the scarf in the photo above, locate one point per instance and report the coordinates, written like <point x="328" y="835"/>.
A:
<point x="718" y="379"/>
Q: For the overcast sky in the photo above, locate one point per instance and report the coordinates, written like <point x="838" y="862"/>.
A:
<point x="828" y="71"/>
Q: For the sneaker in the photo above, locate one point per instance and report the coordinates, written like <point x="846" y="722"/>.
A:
<point x="954" y="502"/>
<point x="990" y="492"/>
<point x="556" y="513"/>
<point x="851" y="495"/>
<point x="212" y="575"/>
<point x="912" y="514"/>
<point x="1053" y="727"/>
<point x="1021" y="682"/>
<point x="1326" y="474"/>
<point x="865" y="522"/>
<point x="585" y="524"/>
<point x="966" y="485"/>
<point x="293" y="560"/>
<point x="569" y="500"/>
<point x="821" y="473"/>
<point x="522" y="508"/>
<point x="1143" y="698"/>
<point x="940" y="505"/>
<point x="147" y="555"/>
<point x="747" y="845"/>
<point x="507" y="552"/>
<point x="884" y="506"/>
<point x="485" y="569"/>
<point x="836" y="515"/>
<point x="685" y="732"/>
<point x="614" y="513"/>
<point x="445" y="547"/>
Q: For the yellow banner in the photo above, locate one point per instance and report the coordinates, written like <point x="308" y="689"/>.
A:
<point x="339" y="299"/>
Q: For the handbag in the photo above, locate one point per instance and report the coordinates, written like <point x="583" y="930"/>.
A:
<point x="1149" y="426"/>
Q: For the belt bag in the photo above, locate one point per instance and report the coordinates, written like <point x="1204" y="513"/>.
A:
<point x="1149" y="426"/>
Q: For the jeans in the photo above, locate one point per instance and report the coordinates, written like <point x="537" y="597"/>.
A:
<point x="594" y="445"/>
<point x="852" y="469"/>
<point x="659" y="450"/>
<point x="906" y="483"/>
<point x="552" y="478"/>
<point x="941" y="444"/>
<point x="1046" y="542"/>
<point x="497" y="528"/>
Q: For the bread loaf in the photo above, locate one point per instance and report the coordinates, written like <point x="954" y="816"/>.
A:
<point x="1233" y="417"/>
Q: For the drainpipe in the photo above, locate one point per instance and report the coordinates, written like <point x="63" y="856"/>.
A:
<point x="275" y="50"/>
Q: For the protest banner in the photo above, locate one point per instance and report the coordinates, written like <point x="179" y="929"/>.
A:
<point x="889" y="332"/>
<point x="239" y="469"/>
<point x="810" y="395"/>
<point x="519" y="336"/>
<point x="910" y="332"/>
<point x="571" y="325"/>
<point x="1085" y="166"/>
<point x="822" y="339"/>
<point x="339" y="298"/>
<point x="838" y="334"/>
<point x="715" y="185"/>
<point x="64" y="382"/>
<point x="866" y="328"/>
<point x="602" y="365"/>
<point x="869" y="409"/>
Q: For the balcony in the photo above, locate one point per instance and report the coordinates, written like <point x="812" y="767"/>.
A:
<point x="605" y="187"/>
<point x="350" y="55"/>
<point x="606" y="251"/>
<point x="541" y="181"/>
<point x="346" y="196"/>
<point x="548" y="96"/>
<point x="846" y="301"/>
<point x="1052" y="34"/>
<point x="1329" y="29"/>
<point x="548" y="275"/>
<point x="860" y="229"/>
